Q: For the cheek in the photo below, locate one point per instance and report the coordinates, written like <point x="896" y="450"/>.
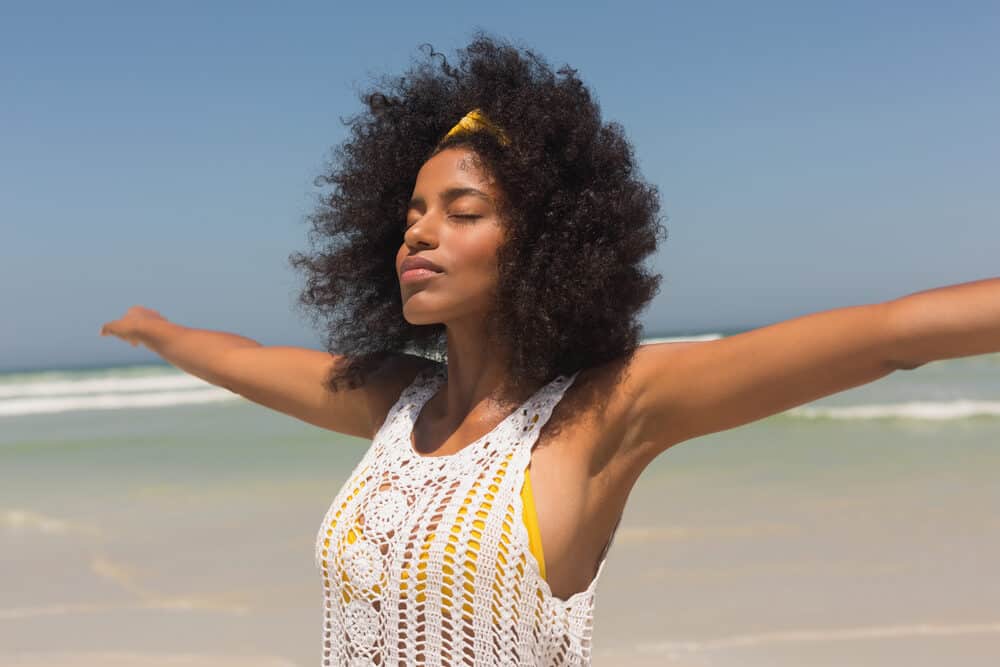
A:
<point x="484" y="249"/>
<point x="477" y="253"/>
<point x="482" y="268"/>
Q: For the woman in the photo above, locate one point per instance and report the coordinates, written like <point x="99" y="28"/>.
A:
<point x="479" y="265"/>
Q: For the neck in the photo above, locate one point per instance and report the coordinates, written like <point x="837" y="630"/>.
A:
<point x="478" y="385"/>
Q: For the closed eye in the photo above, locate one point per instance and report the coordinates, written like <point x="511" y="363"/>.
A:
<point x="406" y="224"/>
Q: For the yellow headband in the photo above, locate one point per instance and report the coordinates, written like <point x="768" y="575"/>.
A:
<point x="475" y="121"/>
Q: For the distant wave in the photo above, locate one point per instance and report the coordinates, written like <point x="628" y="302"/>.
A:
<point x="100" y="385"/>
<point x="113" y="401"/>
<point x="153" y="386"/>
<point x="681" y="339"/>
<point x="919" y="410"/>
<point x="53" y="391"/>
<point x="112" y="389"/>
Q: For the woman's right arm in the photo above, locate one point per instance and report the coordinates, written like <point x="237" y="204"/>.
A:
<point x="290" y="380"/>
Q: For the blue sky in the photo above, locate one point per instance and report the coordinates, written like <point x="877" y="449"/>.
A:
<point x="809" y="156"/>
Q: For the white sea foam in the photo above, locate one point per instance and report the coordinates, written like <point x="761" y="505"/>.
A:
<point x="681" y="339"/>
<point x="52" y="392"/>
<point x="113" y="401"/>
<point x="111" y="384"/>
<point x="920" y="410"/>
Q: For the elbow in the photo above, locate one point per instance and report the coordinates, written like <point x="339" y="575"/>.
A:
<point x="896" y="348"/>
<point x="906" y="366"/>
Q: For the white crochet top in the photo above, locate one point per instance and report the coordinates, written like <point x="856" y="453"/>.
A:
<point x="426" y="559"/>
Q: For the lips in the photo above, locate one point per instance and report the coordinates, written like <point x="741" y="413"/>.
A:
<point x="419" y="263"/>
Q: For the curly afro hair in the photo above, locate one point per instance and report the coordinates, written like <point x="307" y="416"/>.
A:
<point x="570" y="199"/>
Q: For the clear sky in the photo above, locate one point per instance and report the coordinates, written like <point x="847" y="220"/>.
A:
<point x="809" y="155"/>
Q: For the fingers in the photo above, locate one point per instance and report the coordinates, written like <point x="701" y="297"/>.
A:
<point x="110" y="329"/>
<point x="126" y="327"/>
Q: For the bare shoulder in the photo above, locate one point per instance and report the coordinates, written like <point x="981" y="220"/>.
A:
<point x="598" y="414"/>
<point x="603" y="413"/>
<point x="389" y="381"/>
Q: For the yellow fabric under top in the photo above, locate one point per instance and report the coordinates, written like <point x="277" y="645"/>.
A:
<point x="534" y="546"/>
<point x="531" y="523"/>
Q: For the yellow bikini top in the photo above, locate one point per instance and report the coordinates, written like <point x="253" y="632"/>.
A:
<point x="531" y="523"/>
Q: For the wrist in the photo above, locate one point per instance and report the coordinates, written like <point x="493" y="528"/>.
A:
<point x="157" y="333"/>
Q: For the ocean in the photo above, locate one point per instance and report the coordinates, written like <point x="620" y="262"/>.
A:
<point x="150" y="518"/>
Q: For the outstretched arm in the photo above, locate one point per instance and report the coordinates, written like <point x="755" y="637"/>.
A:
<point x="947" y="322"/>
<point x="685" y="390"/>
<point x="290" y="380"/>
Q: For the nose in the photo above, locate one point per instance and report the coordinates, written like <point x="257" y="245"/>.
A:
<point x="420" y="232"/>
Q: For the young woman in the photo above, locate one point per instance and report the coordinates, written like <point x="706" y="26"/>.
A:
<point x="479" y="265"/>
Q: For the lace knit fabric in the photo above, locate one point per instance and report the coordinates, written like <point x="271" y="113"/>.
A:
<point x="426" y="561"/>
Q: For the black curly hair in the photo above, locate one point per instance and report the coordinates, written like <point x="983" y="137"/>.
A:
<point x="571" y="198"/>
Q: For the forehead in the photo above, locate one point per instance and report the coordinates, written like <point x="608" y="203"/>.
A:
<point x="453" y="166"/>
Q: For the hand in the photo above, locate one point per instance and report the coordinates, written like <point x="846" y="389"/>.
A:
<point x="132" y="326"/>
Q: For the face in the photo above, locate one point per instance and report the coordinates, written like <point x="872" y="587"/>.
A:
<point x="451" y="225"/>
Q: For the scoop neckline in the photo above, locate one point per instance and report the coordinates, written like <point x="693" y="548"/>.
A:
<point x="431" y="388"/>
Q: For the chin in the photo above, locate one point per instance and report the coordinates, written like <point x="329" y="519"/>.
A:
<point x="420" y="318"/>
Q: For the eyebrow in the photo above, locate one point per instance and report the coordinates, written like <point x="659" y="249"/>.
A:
<point x="450" y="195"/>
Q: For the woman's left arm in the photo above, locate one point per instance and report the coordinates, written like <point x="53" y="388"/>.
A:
<point x="683" y="390"/>
<point x="947" y="322"/>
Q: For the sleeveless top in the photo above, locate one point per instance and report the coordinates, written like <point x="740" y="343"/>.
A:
<point x="424" y="558"/>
